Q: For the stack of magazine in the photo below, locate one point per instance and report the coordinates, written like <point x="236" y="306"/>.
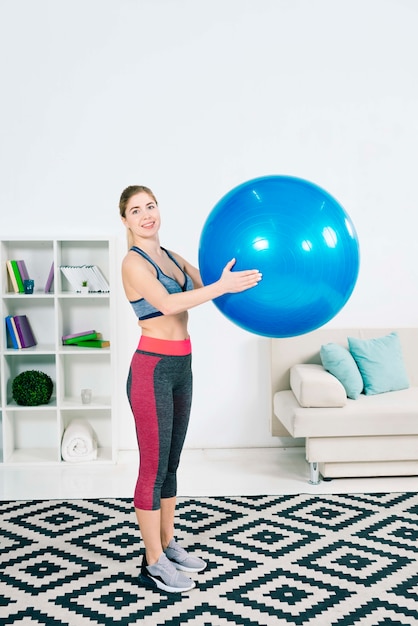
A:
<point x="77" y="275"/>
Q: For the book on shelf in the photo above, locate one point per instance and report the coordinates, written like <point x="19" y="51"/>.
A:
<point x="50" y="279"/>
<point x="16" y="332"/>
<point x="17" y="274"/>
<point x="80" y="334"/>
<point x="20" y="331"/>
<point x="24" y="331"/>
<point x="23" y="270"/>
<point x="11" y="332"/>
<point x="68" y="340"/>
<point x="101" y="280"/>
<point x="12" y="277"/>
<point x="93" y="343"/>
<point x="77" y="274"/>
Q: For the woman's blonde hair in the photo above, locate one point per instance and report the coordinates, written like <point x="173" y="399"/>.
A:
<point x="126" y="195"/>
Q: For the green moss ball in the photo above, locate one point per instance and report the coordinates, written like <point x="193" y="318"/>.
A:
<point x="32" y="388"/>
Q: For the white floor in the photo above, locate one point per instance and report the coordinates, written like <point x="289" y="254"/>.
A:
<point x="262" y="471"/>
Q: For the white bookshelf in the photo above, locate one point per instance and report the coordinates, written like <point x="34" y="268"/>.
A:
<point x="32" y="435"/>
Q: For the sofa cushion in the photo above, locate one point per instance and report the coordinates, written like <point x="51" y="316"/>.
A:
<point x="338" y="361"/>
<point x="380" y="362"/>
<point x="314" y="387"/>
<point x="393" y="413"/>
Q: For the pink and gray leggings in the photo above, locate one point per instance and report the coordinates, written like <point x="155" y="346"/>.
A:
<point x="159" y="389"/>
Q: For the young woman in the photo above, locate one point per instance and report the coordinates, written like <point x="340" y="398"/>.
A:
<point x="162" y="286"/>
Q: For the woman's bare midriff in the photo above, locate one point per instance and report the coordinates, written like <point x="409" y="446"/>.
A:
<point x="171" y="327"/>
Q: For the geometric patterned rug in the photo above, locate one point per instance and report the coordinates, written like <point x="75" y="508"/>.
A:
<point x="289" y="559"/>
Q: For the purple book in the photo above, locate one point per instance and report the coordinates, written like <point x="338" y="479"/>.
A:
<point x="74" y="335"/>
<point x="50" y="279"/>
<point x="22" y="270"/>
<point x="24" y="330"/>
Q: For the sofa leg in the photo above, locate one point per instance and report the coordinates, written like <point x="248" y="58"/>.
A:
<point x="314" y="470"/>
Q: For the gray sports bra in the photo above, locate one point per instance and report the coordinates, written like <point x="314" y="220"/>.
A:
<point x="143" y="309"/>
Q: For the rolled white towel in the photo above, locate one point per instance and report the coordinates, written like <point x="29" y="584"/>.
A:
<point x="79" y="442"/>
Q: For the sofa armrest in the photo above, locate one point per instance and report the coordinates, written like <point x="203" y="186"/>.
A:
<point x="313" y="386"/>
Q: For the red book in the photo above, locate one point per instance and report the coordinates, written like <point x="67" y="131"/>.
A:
<point x="24" y="330"/>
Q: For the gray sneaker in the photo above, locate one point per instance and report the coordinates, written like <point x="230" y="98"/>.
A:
<point x="183" y="561"/>
<point x="163" y="575"/>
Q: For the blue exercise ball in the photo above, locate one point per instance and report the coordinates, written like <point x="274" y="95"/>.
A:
<point x="302" y="241"/>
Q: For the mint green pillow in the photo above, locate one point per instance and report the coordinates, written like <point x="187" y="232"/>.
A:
<point x="380" y="362"/>
<point x="338" y="361"/>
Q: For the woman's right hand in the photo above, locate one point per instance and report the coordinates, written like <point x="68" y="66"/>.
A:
<point x="235" y="282"/>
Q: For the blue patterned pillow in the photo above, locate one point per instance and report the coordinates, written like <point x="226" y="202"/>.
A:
<point x="380" y="362"/>
<point x="338" y="361"/>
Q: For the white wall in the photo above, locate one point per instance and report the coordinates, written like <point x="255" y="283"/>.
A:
<point x="192" y="98"/>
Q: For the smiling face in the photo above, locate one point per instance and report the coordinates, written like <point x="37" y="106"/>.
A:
<point x="141" y="215"/>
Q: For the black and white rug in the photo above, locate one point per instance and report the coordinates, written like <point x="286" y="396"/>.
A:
<point x="290" y="559"/>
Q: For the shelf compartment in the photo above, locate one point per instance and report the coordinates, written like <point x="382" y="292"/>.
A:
<point x="87" y="369"/>
<point x="40" y="313"/>
<point x="81" y="313"/>
<point x="23" y="360"/>
<point x="31" y="436"/>
<point x="76" y="252"/>
<point x="100" y="421"/>
<point x="38" y="257"/>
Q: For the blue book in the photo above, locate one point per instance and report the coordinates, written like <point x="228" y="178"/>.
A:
<point x="11" y="332"/>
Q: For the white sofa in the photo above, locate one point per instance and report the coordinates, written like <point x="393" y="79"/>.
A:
<point x="374" y="435"/>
